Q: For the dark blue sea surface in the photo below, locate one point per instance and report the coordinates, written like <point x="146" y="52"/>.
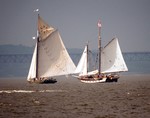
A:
<point x="17" y="65"/>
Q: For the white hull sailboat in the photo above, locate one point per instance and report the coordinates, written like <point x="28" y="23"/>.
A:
<point x="50" y="57"/>
<point x="111" y="62"/>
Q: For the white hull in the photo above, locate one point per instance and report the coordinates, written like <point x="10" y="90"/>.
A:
<point x="94" y="81"/>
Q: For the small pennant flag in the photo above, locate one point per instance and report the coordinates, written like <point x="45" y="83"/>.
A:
<point x="99" y="24"/>
<point x="36" y="10"/>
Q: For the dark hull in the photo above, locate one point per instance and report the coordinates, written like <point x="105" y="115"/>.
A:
<point x="112" y="80"/>
<point x="43" y="81"/>
<point x="49" y="81"/>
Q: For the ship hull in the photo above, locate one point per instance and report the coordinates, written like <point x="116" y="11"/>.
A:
<point x="99" y="80"/>
<point x="43" y="81"/>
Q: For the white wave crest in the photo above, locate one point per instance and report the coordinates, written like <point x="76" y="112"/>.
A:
<point x="31" y="91"/>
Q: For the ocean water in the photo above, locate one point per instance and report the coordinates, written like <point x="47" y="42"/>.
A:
<point x="17" y="65"/>
<point x="70" y="98"/>
<point x="128" y="98"/>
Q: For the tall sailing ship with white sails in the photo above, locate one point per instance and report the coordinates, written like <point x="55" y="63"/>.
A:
<point x="50" y="57"/>
<point x="111" y="62"/>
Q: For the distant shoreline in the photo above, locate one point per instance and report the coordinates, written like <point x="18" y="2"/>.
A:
<point x="9" y="49"/>
<point x="121" y="75"/>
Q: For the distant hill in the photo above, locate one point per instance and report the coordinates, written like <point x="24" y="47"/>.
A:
<point x="21" y="49"/>
<point x="15" y="49"/>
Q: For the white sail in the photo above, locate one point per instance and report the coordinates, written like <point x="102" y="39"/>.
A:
<point x="53" y="58"/>
<point x="82" y="65"/>
<point x="32" y="70"/>
<point x="112" y="59"/>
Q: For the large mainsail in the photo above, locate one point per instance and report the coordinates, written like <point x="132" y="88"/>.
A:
<point x="112" y="59"/>
<point x="53" y="58"/>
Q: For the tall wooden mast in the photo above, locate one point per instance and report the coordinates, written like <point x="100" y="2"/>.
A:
<point x="87" y="55"/>
<point x="37" y="58"/>
<point x="37" y="53"/>
<point x="99" y="45"/>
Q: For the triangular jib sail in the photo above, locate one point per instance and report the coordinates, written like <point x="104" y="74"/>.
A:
<point x="32" y="70"/>
<point x="50" y="57"/>
<point x="82" y="66"/>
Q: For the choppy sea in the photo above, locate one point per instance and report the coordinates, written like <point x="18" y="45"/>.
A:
<point x="17" y="65"/>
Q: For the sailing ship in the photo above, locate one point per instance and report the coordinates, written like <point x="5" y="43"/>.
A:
<point x="111" y="63"/>
<point x="50" y="57"/>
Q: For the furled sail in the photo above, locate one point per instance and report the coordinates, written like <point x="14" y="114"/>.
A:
<point x="82" y="65"/>
<point x="53" y="58"/>
<point x="112" y="58"/>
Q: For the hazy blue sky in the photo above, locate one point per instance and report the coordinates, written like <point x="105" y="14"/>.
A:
<point x="76" y="20"/>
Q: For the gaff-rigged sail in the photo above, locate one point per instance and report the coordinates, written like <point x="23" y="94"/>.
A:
<point x="53" y="58"/>
<point x="112" y="58"/>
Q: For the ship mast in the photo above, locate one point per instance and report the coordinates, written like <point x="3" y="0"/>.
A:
<point x="37" y="51"/>
<point x="87" y="56"/>
<point x="37" y="58"/>
<point x="99" y="46"/>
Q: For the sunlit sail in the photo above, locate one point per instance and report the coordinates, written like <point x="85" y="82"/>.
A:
<point x="50" y="57"/>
